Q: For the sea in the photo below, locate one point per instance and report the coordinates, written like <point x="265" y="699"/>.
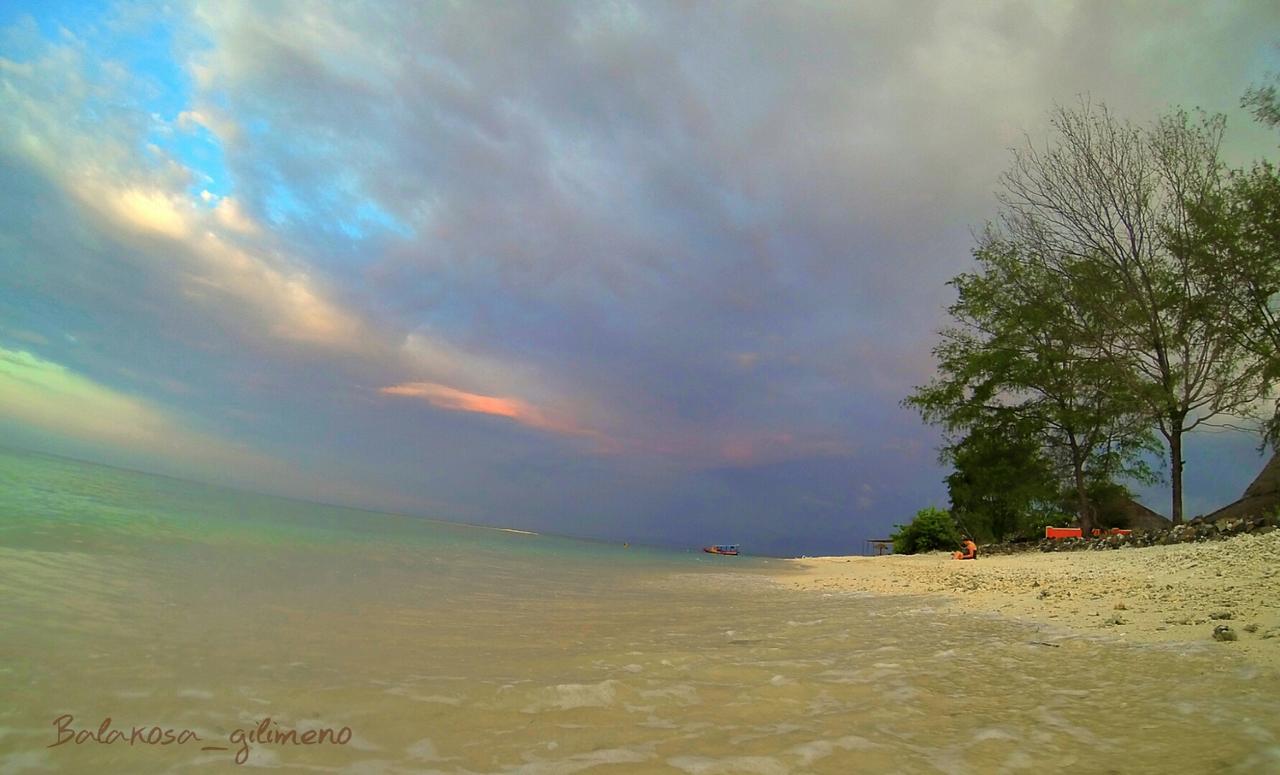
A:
<point x="154" y="625"/>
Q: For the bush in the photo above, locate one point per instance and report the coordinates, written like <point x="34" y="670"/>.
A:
<point x="931" y="529"/>
<point x="1036" y="520"/>
<point x="1002" y="478"/>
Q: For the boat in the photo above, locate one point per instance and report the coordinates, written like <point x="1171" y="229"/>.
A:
<point x="730" y="549"/>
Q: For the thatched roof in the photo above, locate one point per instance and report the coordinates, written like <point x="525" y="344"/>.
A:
<point x="1267" y="482"/>
<point x="1139" y="517"/>
<point x="1260" y="497"/>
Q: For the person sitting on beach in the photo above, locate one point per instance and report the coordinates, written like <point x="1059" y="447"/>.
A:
<point x="970" y="551"/>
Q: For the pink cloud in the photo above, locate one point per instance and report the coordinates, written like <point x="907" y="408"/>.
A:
<point x="736" y="449"/>
<point x="515" y="409"/>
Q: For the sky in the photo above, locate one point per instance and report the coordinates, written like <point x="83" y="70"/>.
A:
<point x="651" y="272"/>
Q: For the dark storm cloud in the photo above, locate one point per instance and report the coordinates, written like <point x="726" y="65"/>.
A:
<point x="654" y="270"/>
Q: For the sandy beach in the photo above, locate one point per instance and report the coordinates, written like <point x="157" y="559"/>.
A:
<point x="1154" y="594"/>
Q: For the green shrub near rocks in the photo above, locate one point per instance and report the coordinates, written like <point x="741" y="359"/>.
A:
<point x="932" y="529"/>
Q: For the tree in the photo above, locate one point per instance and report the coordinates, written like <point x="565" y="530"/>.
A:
<point x="931" y="529"/>
<point x="1236" y="241"/>
<point x="1023" y="355"/>
<point x="1107" y="205"/>
<point x="1003" y="485"/>
<point x="1264" y="102"/>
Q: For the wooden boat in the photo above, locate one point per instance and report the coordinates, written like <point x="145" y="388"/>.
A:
<point x="731" y="549"/>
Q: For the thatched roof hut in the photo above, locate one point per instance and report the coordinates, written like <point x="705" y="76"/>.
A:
<point x="1139" y="517"/>
<point x="1260" y="497"/>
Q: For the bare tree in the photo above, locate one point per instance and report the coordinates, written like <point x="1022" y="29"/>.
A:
<point x="1105" y="204"/>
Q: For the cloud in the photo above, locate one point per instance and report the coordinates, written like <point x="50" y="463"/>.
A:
<point x="149" y="211"/>
<point x="637" y="175"/>
<point x="453" y="400"/>
<point x="39" y="394"/>
<point x="711" y="240"/>
<point x="232" y="216"/>
<point x="217" y="256"/>
<point x="212" y="120"/>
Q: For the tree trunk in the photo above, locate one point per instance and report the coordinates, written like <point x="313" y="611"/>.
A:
<point x="1175" y="472"/>
<point x="1084" y="509"/>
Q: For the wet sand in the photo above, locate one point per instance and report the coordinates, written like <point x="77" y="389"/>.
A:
<point x="1158" y="594"/>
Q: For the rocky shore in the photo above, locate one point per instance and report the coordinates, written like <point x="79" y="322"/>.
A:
<point x="1179" y="586"/>
<point x="1197" y="530"/>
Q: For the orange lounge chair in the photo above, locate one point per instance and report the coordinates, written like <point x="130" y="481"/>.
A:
<point x="1063" y="532"/>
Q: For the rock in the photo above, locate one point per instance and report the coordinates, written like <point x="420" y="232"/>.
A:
<point x="1224" y="633"/>
<point x="1251" y="628"/>
<point x="1220" y="615"/>
<point x="1117" y="619"/>
<point x="1121" y="607"/>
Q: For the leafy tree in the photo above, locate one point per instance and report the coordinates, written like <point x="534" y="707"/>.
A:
<point x="1236" y="241"/>
<point x="1003" y="486"/>
<point x="1264" y="102"/>
<point x="931" y="529"/>
<point x="1025" y="355"/>
<point x="1107" y="206"/>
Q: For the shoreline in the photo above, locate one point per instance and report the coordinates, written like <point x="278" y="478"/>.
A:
<point x="1157" y="594"/>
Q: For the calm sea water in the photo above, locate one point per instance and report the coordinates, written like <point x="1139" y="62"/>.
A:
<point x="428" y="647"/>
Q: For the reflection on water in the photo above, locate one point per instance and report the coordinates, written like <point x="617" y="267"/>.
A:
<point x="453" y="649"/>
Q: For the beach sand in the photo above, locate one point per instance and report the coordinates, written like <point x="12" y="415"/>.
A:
<point x="1140" y="595"/>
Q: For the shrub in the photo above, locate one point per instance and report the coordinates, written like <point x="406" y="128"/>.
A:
<point x="1036" y="520"/>
<point x="931" y="529"/>
<point x="1001" y="476"/>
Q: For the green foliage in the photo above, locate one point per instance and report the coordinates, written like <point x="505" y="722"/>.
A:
<point x="1264" y="102"/>
<point x="1235" y="239"/>
<point x="1109" y="500"/>
<point x="1034" y="522"/>
<point x="1026" y="359"/>
<point x="1096" y="315"/>
<point x="1003" y="487"/>
<point x="931" y="529"/>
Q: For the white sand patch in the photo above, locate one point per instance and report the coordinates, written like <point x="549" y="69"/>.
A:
<point x="423" y="750"/>
<point x="570" y="696"/>
<point x="809" y="753"/>
<point x="701" y="765"/>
